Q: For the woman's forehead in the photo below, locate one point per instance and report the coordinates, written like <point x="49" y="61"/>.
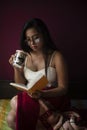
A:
<point x="31" y="31"/>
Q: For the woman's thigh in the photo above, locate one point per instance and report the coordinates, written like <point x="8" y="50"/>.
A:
<point x="13" y="103"/>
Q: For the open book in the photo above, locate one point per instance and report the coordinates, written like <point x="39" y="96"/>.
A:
<point x="37" y="83"/>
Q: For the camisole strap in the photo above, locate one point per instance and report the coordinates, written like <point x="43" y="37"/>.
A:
<point x="25" y="61"/>
<point x="52" y="58"/>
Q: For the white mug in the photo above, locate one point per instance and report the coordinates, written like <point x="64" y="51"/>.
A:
<point x="19" y="58"/>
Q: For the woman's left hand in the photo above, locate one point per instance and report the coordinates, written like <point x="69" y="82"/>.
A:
<point x="36" y="95"/>
<point x="71" y="126"/>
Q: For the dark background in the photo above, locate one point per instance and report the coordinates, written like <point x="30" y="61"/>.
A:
<point x="67" y="23"/>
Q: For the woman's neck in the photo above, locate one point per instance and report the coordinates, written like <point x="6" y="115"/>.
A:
<point x="39" y="53"/>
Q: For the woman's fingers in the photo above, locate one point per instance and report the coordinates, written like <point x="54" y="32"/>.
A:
<point x="67" y="126"/>
<point x="59" y="123"/>
<point x="77" y="127"/>
<point x="11" y="59"/>
<point x="36" y="95"/>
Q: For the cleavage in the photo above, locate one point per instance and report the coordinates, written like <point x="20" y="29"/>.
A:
<point x="35" y="64"/>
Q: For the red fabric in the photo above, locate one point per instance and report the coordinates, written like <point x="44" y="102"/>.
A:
<point x="27" y="112"/>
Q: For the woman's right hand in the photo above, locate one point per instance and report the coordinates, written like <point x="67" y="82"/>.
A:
<point x="11" y="59"/>
<point x="18" y="72"/>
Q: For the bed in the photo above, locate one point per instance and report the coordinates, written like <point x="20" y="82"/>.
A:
<point x="7" y="92"/>
<point x="4" y="109"/>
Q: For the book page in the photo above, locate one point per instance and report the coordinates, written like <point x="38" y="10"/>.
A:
<point x="39" y="85"/>
<point x="36" y="84"/>
<point x="22" y="86"/>
<point x="35" y="80"/>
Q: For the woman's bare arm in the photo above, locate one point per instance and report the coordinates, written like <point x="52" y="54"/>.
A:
<point x="62" y="77"/>
<point x="19" y="76"/>
<point x="18" y="72"/>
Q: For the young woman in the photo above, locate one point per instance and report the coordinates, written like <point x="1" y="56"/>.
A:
<point x="41" y="110"/>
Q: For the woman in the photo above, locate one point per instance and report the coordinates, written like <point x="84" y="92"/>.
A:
<point x="40" y="110"/>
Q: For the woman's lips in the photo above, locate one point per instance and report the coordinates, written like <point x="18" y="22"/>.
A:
<point x="34" y="46"/>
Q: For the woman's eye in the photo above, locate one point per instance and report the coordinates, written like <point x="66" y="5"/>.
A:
<point x="37" y="39"/>
<point x="28" y="40"/>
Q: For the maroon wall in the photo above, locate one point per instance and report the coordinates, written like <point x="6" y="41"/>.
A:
<point x="66" y="22"/>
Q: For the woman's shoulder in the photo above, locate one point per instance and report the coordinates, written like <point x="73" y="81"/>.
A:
<point x="57" y="54"/>
<point x="58" y="57"/>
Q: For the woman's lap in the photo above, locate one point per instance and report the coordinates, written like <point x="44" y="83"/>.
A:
<point x="31" y="109"/>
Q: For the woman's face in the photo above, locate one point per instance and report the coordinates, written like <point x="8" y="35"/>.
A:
<point x="34" y="39"/>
